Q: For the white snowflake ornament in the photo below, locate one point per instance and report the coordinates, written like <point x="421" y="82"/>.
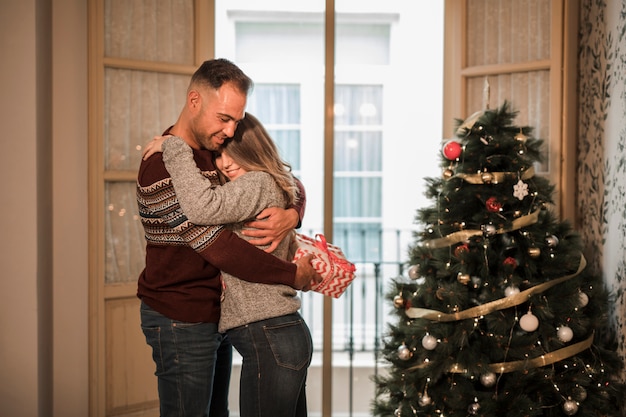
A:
<point x="520" y="190"/>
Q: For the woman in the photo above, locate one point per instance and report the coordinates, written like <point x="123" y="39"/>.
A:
<point x="262" y="321"/>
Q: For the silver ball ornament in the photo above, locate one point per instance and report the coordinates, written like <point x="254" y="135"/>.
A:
<point x="414" y="272"/>
<point x="473" y="409"/>
<point x="429" y="342"/>
<point x="552" y="241"/>
<point x="583" y="299"/>
<point x="529" y="322"/>
<point x="565" y="334"/>
<point x="488" y="379"/>
<point x="424" y="400"/>
<point x="489" y="229"/>
<point x="404" y="352"/>
<point x="570" y="407"/>
<point x="511" y="290"/>
<point x="579" y="393"/>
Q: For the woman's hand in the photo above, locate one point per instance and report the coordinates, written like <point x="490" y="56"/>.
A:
<point x="154" y="146"/>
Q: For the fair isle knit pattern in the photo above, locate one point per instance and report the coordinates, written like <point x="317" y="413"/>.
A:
<point x="164" y="221"/>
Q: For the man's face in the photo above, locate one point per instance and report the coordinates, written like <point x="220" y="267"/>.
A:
<point x="217" y="115"/>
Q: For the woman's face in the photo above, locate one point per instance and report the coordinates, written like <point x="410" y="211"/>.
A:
<point x="228" y="167"/>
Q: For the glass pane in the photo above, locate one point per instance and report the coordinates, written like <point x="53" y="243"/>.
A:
<point x="358" y="151"/>
<point x="358" y="105"/>
<point x="507" y="32"/>
<point x="138" y="105"/>
<point x="358" y="197"/>
<point x="278" y="106"/>
<point x="149" y="30"/>
<point x="528" y="93"/>
<point x="124" y="236"/>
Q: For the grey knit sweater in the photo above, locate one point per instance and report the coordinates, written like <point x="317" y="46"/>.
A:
<point x="232" y="203"/>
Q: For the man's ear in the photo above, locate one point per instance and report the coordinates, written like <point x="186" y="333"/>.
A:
<point x="194" y="99"/>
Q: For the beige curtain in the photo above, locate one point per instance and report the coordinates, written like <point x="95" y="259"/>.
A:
<point x="503" y="32"/>
<point x="137" y="106"/>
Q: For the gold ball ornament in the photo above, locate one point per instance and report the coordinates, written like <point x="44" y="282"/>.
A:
<point x="414" y="272"/>
<point x="463" y="278"/>
<point x="398" y="301"/>
<point x="486" y="177"/>
<point x="534" y="252"/>
<point x="521" y="137"/>
<point x="447" y="174"/>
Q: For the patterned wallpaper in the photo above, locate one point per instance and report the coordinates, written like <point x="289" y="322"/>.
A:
<point x="602" y="147"/>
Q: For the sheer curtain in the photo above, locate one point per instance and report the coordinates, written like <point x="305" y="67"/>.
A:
<point x="137" y="105"/>
<point x="508" y="33"/>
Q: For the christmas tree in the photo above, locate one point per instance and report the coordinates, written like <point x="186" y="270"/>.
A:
<point x="499" y="315"/>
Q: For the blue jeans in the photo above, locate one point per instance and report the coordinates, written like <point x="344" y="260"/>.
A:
<point x="276" y="355"/>
<point x="193" y="364"/>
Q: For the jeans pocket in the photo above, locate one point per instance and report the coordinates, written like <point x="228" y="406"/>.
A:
<point x="290" y="343"/>
<point x="153" y="339"/>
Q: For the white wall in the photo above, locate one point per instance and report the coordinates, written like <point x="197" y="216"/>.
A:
<point x="43" y="164"/>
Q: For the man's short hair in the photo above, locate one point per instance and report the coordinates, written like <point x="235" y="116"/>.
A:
<point x="216" y="72"/>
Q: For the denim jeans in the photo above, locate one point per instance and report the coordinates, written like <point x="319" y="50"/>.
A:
<point x="193" y="364"/>
<point x="276" y="355"/>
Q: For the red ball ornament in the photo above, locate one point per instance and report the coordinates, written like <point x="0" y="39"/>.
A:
<point x="493" y="205"/>
<point x="510" y="261"/>
<point x="461" y="249"/>
<point x="452" y="150"/>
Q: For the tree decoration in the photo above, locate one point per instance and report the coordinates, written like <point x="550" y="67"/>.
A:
<point x="429" y="342"/>
<point x="520" y="190"/>
<point x="398" y="301"/>
<point x="488" y="379"/>
<point x="493" y="205"/>
<point x="529" y="322"/>
<point x="511" y="290"/>
<point x="452" y="150"/>
<point x="565" y="334"/>
<point x="570" y="407"/>
<point x="510" y="319"/>
<point x="404" y="352"/>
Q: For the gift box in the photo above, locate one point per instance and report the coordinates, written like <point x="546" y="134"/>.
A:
<point x="329" y="261"/>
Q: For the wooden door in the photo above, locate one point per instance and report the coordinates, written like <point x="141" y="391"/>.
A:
<point x="141" y="56"/>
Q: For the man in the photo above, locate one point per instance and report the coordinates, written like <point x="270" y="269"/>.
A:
<point x="180" y="286"/>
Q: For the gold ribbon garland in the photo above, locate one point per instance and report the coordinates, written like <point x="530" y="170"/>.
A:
<point x="538" y="362"/>
<point x="463" y="235"/>
<point x="500" y="304"/>
<point x="496" y="177"/>
<point x="543" y="360"/>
